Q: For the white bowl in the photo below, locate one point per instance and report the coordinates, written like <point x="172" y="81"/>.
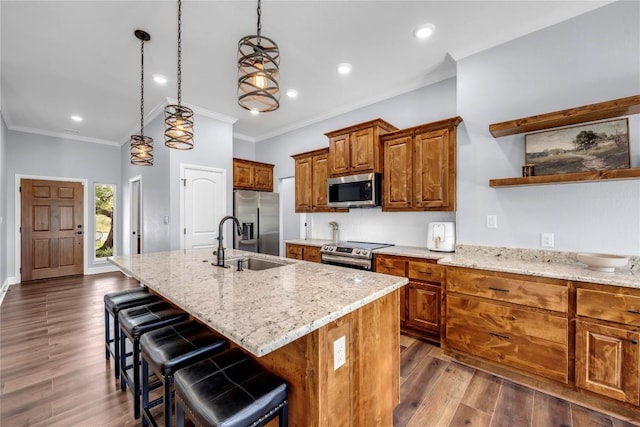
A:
<point x="603" y="262"/>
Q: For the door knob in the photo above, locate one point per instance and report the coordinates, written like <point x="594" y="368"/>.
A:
<point x="79" y="232"/>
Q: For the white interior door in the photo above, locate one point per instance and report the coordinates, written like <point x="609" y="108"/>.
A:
<point x="204" y="205"/>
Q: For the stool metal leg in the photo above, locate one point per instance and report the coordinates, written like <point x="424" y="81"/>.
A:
<point x="283" y="416"/>
<point x="168" y="381"/>
<point x="145" y="390"/>
<point x="179" y="414"/>
<point x="123" y="363"/>
<point x="136" y="378"/>
<point x="107" y="334"/>
<point x="116" y="345"/>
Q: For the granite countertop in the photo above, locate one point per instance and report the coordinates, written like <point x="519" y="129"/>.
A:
<point x="260" y="311"/>
<point x="309" y="242"/>
<point x="412" y="251"/>
<point x="566" y="271"/>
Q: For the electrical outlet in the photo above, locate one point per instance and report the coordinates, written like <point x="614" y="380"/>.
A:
<point x="339" y="353"/>
<point x="546" y="240"/>
<point x="492" y="221"/>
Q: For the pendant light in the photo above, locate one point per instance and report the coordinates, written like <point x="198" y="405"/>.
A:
<point x="258" y="71"/>
<point x="178" y="119"/>
<point x="142" y="146"/>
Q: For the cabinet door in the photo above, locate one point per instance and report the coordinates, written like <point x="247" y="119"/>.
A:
<point x="431" y="169"/>
<point x="607" y="361"/>
<point x="294" y="251"/>
<point x="311" y="253"/>
<point x="362" y="151"/>
<point x="423" y="301"/>
<point x="242" y="175"/>
<point x="303" y="184"/>
<point x="319" y="180"/>
<point x="398" y="180"/>
<point x="263" y="178"/>
<point x="339" y="155"/>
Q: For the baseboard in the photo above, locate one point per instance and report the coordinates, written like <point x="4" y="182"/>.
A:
<point x="3" y="289"/>
<point x="102" y="269"/>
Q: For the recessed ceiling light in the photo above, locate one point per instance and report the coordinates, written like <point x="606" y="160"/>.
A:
<point x="344" y="68"/>
<point x="424" y="31"/>
<point x="255" y="112"/>
<point x="292" y="93"/>
<point x="160" y="79"/>
<point x="76" y="118"/>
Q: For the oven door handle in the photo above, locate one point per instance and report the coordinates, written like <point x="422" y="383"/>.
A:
<point x="346" y="261"/>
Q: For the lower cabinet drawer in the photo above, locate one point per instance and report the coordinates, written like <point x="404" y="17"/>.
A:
<point x="390" y="265"/>
<point x="609" y="306"/>
<point x="534" y="342"/>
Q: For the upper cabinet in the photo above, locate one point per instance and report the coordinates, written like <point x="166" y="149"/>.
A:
<point x="357" y="149"/>
<point x="311" y="181"/>
<point x="420" y="167"/>
<point x="250" y="175"/>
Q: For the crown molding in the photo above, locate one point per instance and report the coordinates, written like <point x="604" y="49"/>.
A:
<point x="243" y="137"/>
<point x="347" y="109"/>
<point x="63" y="135"/>
<point x="204" y="112"/>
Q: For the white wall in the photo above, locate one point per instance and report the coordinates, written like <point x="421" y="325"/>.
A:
<point x="4" y="249"/>
<point x="244" y="149"/>
<point x="44" y="156"/>
<point x="213" y="147"/>
<point x="424" y="105"/>
<point x="591" y="58"/>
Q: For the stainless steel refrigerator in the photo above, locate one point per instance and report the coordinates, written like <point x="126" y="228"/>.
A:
<point x="259" y="215"/>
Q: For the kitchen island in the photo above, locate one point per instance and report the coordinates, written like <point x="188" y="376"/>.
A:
<point x="294" y="319"/>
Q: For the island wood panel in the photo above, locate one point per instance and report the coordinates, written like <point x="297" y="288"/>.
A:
<point x="608" y="361"/>
<point x="534" y="342"/>
<point x="545" y="293"/>
<point x="609" y="306"/>
<point x="365" y="390"/>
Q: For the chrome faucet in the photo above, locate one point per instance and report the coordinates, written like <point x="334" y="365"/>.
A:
<point x="220" y="252"/>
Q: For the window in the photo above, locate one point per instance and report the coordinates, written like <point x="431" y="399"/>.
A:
<point x="105" y="213"/>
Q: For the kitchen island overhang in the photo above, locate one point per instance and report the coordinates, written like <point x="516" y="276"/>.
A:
<point x="289" y="318"/>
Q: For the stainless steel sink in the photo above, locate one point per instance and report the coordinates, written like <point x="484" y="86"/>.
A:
<point x="256" y="264"/>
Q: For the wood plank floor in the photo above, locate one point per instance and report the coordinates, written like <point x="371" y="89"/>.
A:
<point x="53" y="371"/>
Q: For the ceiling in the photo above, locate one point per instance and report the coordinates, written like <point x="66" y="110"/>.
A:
<point x="60" y="58"/>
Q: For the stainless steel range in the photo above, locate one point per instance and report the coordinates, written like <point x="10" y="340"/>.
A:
<point x="350" y="254"/>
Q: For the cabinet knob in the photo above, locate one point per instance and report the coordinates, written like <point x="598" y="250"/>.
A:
<point x="634" y="341"/>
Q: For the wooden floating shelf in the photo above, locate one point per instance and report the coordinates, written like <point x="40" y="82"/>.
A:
<point x="588" y="113"/>
<point x="603" y="175"/>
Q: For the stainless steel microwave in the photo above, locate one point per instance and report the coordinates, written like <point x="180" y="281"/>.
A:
<point x="355" y="191"/>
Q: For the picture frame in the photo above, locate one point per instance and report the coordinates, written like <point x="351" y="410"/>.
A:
<point x="587" y="147"/>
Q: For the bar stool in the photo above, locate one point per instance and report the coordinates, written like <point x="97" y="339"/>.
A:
<point x="134" y="322"/>
<point x="168" y="349"/>
<point x="230" y="389"/>
<point x="113" y="303"/>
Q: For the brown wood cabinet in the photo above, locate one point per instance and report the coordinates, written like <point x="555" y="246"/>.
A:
<point x="420" y="167"/>
<point x="303" y="252"/>
<point x="311" y="182"/>
<point x="517" y="321"/>
<point x="250" y="175"/>
<point x="357" y="149"/>
<point x="608" y="343"/>
<point x="420" y="300"/>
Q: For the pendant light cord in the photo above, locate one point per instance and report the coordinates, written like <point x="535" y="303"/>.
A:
<point x="141" y="87"/>
<point x="179" y="51"/>
<point x="259" y="21"/>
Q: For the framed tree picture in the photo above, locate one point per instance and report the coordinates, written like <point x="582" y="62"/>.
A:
<point x="588" y="147"/>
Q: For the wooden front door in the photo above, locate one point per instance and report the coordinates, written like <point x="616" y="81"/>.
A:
<point x="51" y="229"/>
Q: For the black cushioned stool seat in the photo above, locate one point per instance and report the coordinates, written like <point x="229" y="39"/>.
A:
<point x="168" y="349"/>
<point x="230" y="390"/>
<point x="113" y="303"/>
<point x="134" y="322"/>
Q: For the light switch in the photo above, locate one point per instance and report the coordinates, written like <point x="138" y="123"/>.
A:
<point x="492" y="221"/>
<point x="166" y="219"/>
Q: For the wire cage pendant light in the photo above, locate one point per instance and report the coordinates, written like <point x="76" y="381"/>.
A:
<point x="258" y="71"/>
<point x="142" y="146"/>
<point x="178" y="119"/>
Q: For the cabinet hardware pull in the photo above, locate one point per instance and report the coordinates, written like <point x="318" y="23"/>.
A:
<point x="633" y="311"/>
<point x="499" y="290"/>
<point x="425" y="272"/>
<point x="504" y="337"/>
<point x="634" y="341"/>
